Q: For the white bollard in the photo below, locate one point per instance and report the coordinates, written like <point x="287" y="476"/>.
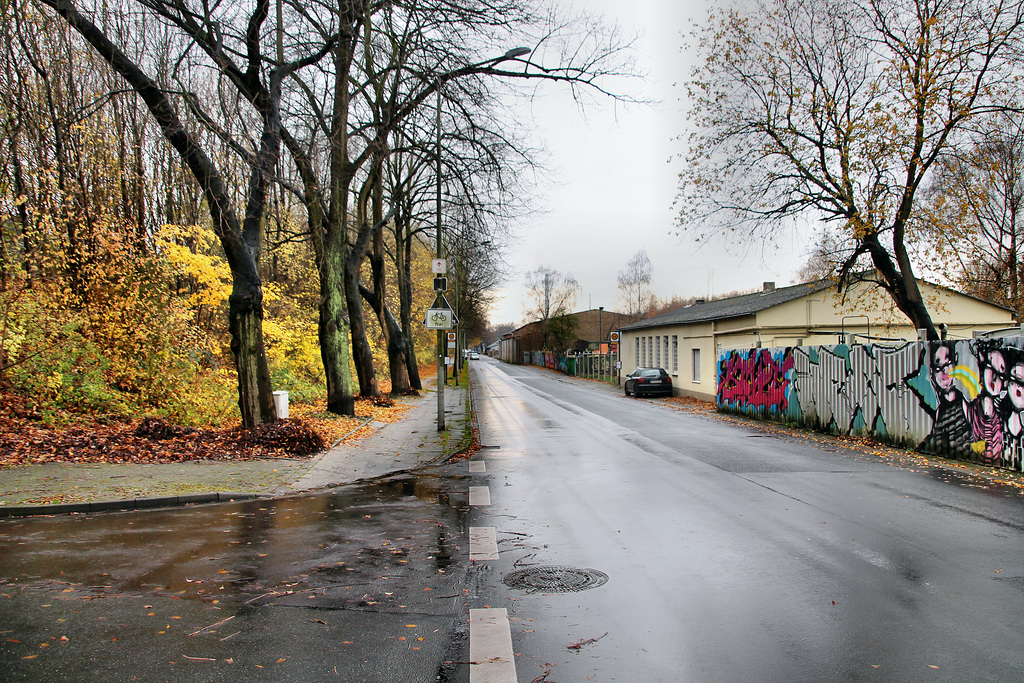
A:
<point x="281" y="404"/>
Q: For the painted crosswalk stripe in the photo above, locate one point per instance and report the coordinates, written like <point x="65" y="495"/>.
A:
<point x="483" y="543"/>
<point x="490" y="647"/>
<point x="477" y="466"/>
<point x="479" y="495"/>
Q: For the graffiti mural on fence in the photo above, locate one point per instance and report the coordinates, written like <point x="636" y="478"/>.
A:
<point x="759" y="380"/>
<point x="963" y="399"/>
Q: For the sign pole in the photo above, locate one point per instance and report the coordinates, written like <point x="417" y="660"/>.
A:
<point x="441" y="373"/>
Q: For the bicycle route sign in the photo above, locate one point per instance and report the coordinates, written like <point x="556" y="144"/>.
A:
<point x="439" y="319"/>
<point x="440" y="315"/>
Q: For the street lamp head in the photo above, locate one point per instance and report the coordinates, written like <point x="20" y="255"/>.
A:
<point x="516" y="52"/>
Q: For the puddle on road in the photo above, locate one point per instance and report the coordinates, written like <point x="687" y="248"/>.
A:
<point x="365" y="581"/>
<point x="372" y="536"/>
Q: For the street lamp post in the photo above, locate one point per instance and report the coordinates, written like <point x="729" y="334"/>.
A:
<point x="441" y="350"/>
<point x="437" y="228"/>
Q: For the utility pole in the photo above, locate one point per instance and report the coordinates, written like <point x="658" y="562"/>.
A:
<point x="547" y="296"/>
<point x="441" y="372"/>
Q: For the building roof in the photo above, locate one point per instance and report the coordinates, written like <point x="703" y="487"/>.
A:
<point x="733" y="307"/>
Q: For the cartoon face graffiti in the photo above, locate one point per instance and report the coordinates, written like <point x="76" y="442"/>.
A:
<point x="993" y="372"/>
<point x="951" y="432"/>
<point x="1015" y="385"/>
<point x="943" y="362"/>
<point x="986" y="412"/>
<point x="1015" y="392"/>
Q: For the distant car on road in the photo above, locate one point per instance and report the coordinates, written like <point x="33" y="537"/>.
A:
<point x="648" y="382"/>
<point x="473" y="355"/>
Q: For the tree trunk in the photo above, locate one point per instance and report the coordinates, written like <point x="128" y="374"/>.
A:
<point x="255" y="393"/>
<point x="403" y="256"/>
<point x="362" y="354"/>
<point x="334" y="335"/>
<point x="333" y="327"/>
<point x="902" y="288"/>
<point x="393" y="336"/>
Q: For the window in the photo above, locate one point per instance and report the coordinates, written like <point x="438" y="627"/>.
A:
<point x="696" y="365"/>
<point x="636" y="347"/>
<point x="658" y="356"/>
<point x="675" y="353"/>
<point x="665" y="346"/>
<point x="643" y="356"/>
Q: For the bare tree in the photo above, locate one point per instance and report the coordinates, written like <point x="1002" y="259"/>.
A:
<point x="635" y="285"/>
<point x="839" y="110"/>
<point x="976" y="215"/>
<point x="551" y="296"/>
<point x="827" y="257"/>
<point x="549" y="293"/>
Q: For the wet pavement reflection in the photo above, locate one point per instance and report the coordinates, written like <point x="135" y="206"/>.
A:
<point x="305" y="585"/>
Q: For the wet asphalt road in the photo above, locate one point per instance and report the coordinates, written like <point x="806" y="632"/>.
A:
<point x="362" y="583"/>
<point x="734" y="555"/>
<point x="731" y="555"/>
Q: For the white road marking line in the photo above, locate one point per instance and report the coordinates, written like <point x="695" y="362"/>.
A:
<point x="479" y="495"/>
<point x="477" y="466"/>
<point x="483" y="543"/>
<point x="491" y="659"/>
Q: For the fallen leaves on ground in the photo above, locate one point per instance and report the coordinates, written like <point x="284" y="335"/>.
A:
<point x="579" y="644"/>
<point x="25" y="439"/>
<point x="860" y="445"/>
<point x="691" y="403"/>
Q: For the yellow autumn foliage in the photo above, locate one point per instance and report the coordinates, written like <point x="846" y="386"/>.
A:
<point x="188" y="250"/>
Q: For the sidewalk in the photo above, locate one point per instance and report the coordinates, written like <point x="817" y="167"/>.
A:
<point x="412" y="442"/>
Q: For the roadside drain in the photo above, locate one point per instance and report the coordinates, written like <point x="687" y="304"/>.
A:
<point x="555" y="579"/>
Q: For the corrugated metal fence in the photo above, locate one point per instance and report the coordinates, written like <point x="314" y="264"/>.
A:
<point x="962" y="399"/>
<point x="599" y="366"/>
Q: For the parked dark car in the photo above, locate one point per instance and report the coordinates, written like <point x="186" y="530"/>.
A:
<point x="648" y="382"/>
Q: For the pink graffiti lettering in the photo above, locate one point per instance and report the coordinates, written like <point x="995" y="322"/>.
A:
<point x="756" y="381"/>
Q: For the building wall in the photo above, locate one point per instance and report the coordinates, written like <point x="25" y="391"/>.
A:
<point x="595" y="325"/>
<point x="962" y="399"/>
<point x="682" y="341"/>
<point x="866" y="307"/>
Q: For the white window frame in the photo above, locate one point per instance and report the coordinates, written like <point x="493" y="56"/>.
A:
<point x="675" y="354"/>
<point x="695" y="356"/>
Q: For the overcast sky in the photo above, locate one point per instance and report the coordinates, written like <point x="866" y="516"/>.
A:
<point x="613" y="178"/>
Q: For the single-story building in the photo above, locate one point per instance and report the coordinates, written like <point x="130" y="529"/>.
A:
<point x="593" y="329"/>
<point x="687" y="341"/>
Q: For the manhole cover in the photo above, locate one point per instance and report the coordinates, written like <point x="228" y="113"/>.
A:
<point x="555" y="579"/>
